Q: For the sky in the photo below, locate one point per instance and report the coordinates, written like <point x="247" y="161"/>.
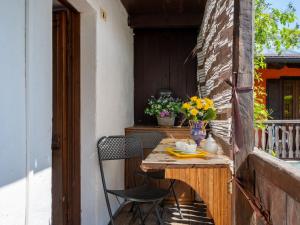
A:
<point x="282" y="4"/>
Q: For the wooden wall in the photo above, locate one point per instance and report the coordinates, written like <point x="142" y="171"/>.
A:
<point x="159" y="62"/>
<point x="215" y="62"/>
<point x="277" y="185"/>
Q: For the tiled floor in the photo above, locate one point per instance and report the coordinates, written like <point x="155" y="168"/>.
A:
<point x="194" y="214"/>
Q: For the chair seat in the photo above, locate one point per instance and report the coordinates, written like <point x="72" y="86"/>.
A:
<point x="143" y="193"/>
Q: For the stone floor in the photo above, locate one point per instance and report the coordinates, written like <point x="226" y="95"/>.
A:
<point x="194" y="214"/>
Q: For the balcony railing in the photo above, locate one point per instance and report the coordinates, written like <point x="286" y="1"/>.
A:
<point x="280" y="137"/>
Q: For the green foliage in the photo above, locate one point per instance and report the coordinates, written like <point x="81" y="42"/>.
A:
<point x="164" y="106"/>
<point x="210" y="114"/>
<point x="274" y="28"/>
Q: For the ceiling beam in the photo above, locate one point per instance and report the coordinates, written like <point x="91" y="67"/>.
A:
<point x="165" y="20"/>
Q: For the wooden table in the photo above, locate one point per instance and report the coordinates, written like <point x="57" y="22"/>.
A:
<point x="210" y="177"/>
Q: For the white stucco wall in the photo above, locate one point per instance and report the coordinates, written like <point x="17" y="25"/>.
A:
<point x="12" y="113"/>
<point x="114" y="89"/>
<point x="39" y="110"/>
<point x="106" y="100"/>
<point x="26" y="114"/>
<point x="106" y="97"/>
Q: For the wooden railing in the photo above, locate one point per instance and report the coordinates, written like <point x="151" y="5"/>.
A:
<point x="281" y="137"/>
<point x="275" y="184"/>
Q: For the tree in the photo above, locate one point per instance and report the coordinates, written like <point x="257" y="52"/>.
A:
<point x="274" y="29"/>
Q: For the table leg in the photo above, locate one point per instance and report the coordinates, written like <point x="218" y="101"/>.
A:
<point x="212" y="185"/>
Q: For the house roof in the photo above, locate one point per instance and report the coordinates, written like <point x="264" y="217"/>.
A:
<point x="286" y="57"/>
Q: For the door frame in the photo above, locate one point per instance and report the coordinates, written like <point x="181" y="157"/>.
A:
<point x="72" y="166"/>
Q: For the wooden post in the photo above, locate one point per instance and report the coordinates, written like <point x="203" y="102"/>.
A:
<point x="243" y="64"/>
<point x="277" y="140"/>
<point x="283" y="139"/>
<point x="291" y="142"/>
<point x="263" y="138"/>
<point x="297" y="140"/>
<point x="270" y="139"/>
<point x="256" y="138"/>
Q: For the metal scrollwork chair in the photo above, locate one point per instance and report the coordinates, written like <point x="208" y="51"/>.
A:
<point x="150" y="140"/>
<point x="122" y="147"/>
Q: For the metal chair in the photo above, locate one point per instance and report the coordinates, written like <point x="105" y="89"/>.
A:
<point x="121" y="147"/>
<point x="150" y="140"/>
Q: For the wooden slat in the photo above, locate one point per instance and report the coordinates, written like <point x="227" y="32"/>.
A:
<point x="291" y="142"/>
<point x="211" y="185"/>
<point x="263" y="138"/>
<point x="283" y="153"/>
<point x="278" y="172"/>
<point x="270" y="139"/>
<point x="297" y="140"/>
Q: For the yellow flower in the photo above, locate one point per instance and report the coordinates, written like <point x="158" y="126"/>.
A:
<point x="194" y="98"/>
<point x="186" y="106"/>
<point x="194" y="112"/>
<point x="199" y="104"/>
<point x="206" y="107"/>
<point x="209" y="102"/>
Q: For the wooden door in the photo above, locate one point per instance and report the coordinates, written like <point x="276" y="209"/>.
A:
<point x="59" y="127"/>
<point x="274" y="96"/>
<point x="66" y="119"/>
<point x="283" y="98"/>
<point x="291" y="98"/>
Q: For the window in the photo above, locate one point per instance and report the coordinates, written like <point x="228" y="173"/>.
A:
<point x="283" y="99"/>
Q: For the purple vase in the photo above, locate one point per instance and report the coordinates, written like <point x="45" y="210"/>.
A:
<point x="197" y="132"/>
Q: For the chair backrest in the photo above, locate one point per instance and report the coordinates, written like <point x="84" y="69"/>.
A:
<point x="149" y="139"/>
<point x="119" y="147"/>
<point x="115" y="148"/>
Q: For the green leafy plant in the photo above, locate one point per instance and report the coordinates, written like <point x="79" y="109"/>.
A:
<point x="274" y="28"/>
<point x="164" y="106"/>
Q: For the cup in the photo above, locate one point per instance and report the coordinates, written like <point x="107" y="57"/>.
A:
<point x="191" y="148"/>
<point x="180" y="145"/>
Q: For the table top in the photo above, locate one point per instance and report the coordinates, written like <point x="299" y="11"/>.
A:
<point x="160" y="159"/>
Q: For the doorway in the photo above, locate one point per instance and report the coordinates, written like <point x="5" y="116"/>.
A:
<point x="66" y="115"/>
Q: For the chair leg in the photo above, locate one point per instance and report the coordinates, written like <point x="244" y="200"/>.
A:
<point x="111" y="222"/>
<point x="160" y="222"/>
<point x="140" y="214"/>
<point x="132" y="207"/>
<point x="134" y="216"/>
<point x="176" y="199"/>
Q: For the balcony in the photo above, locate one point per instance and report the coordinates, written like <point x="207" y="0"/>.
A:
<point x="280" y="138"/>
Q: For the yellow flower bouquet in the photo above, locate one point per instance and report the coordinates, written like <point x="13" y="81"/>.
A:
<point x="198" y="111"/>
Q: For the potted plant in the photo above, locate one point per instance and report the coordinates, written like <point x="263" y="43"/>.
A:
<point x="165" y="108"/>
<point x="198" y="111"/>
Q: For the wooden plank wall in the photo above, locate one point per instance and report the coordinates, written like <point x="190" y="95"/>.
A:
<point x="215" y="63"/>
<point x="277" y="185"/>
<point x="159" y="63"/>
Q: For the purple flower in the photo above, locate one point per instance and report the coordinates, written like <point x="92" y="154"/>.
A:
<point x="164" y="113"/>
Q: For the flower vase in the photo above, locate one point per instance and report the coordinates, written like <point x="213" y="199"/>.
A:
<point x="198" y="132"/>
